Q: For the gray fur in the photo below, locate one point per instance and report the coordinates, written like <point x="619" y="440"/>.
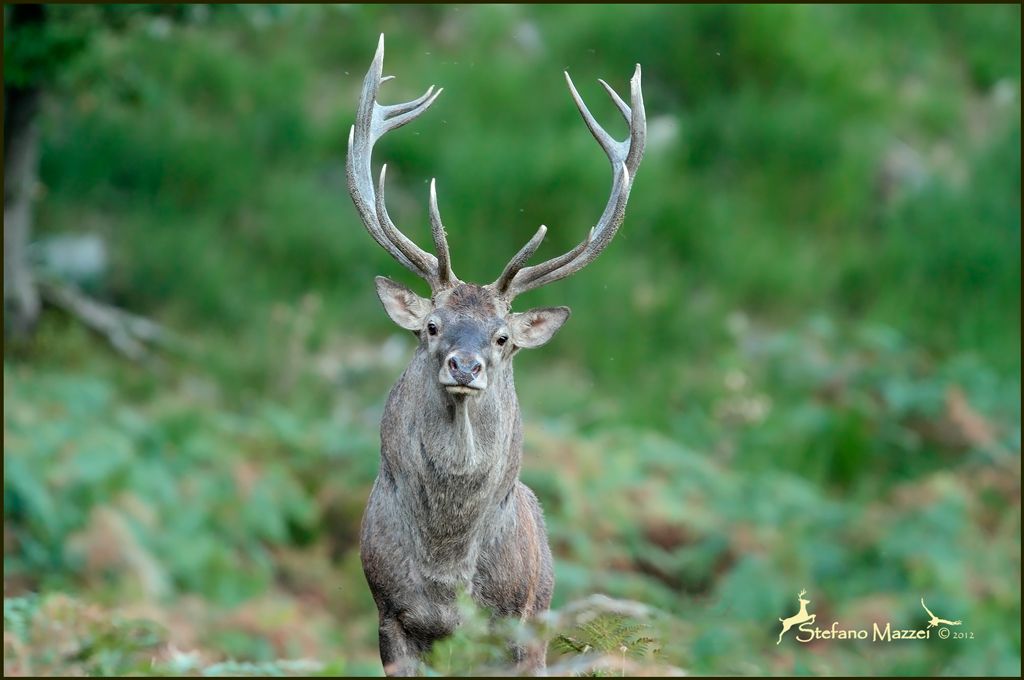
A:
<point x="447" y="510"/>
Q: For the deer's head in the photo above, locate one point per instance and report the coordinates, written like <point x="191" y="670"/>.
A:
<point x="468" y="330"/>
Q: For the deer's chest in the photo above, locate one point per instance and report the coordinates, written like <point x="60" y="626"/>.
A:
<point x="453" y="504"/>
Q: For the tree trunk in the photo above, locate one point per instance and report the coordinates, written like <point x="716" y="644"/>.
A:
<point x="21" y="167"/>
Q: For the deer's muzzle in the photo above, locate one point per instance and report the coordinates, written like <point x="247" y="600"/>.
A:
<point x="463" y="371"/>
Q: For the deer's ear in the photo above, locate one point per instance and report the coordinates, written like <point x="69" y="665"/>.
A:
<point x="537" y="326"/>
<point x="405" y="307"/>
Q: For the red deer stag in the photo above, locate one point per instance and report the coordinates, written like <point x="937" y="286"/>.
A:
<point x="447" y="510"/>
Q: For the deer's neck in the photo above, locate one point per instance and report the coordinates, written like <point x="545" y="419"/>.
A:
<point x="469" y="435"/>
<point x="455" y="461"/>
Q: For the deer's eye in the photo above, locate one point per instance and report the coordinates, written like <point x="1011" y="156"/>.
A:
<point x="502" y="339"/>
<point x="432" y="328"/>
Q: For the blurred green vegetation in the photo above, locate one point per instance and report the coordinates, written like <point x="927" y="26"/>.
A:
<point x="798" y="365"/>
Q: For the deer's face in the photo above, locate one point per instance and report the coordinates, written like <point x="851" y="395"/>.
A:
<point x="467" y="331"/>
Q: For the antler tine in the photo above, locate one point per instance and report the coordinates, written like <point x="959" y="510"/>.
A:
<point x="603" y="138"/>
<point x="444" y="258"/>
<point x="555" y="262"/>
<point x="410" y="105"/>
<point x="622" y="106"/>
<point x="520" y="259"/>
<point x="625" y="157"/>
<point x="425" y="262"/>
<point x="373" y="121"/>
<point x="401" y="114"/>
<point x="637" y="124"/>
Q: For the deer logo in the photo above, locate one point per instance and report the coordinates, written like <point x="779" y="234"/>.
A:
<point x="935" y="620"/>
<point x="800" y="617"/>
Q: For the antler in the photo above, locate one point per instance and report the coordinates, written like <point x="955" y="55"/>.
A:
<point x="625" y="157"/>
<point x="373" y="121"/>
<point x="802" y="593"/>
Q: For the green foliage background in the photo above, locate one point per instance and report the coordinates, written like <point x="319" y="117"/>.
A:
<point x="798" y="366"/>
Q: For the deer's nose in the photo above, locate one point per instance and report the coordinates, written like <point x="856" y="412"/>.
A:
<point x="464" y="367"/>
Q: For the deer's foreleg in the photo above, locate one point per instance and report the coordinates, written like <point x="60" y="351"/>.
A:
<point x="398" y="654"/>
<point x="515" y="577"/>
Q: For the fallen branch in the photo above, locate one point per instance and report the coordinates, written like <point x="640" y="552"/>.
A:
<point x="127" y="333"/>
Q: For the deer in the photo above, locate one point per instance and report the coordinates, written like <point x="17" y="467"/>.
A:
<point x="447" y="512"/>
<point x="800" y="617"/>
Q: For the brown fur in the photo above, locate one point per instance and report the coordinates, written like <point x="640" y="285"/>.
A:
<point x="471" y="300"/>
